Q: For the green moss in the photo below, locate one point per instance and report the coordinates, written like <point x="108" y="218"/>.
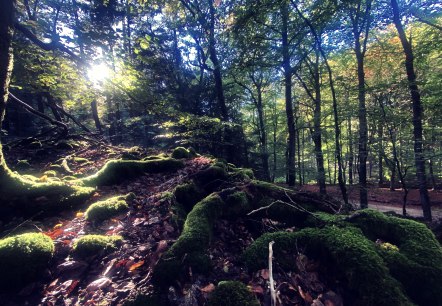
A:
<point x="413" y="239"/>
<point x="56" y="167"/>
<point x="81" y="160"/>
<point x="181" y="152"/>
<point x="23" y="258"/>
<point x="102" y="210"/>
<point x="232" y="293"/>
<point x="69" y="178"/>
<point x="244" y="173"/>
<point x="188" y="195"/>
<point x="90" y="245"/>
<point x="116" y="171"/>
<point x="211" y="177"/>
<point x="350" y="257"/>
<point x="22" y="164"/>
<point x="190" y="248"/>
<point x="159" y="156"/>
<point x="237" y="204"/>
<point x="50" y="173"/>
<point x="417" y="262"/>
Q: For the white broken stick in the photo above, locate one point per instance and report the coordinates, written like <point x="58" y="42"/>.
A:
<point x="272" y="282"/>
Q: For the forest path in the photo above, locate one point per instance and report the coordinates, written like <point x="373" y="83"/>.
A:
<point x="383" y="199"/>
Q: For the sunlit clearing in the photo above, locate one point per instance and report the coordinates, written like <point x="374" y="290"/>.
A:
<point x="98" y="73"/>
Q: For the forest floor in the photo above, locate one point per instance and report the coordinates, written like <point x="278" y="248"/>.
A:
<point x="383" y="199"/>
<point x="149" y="230"/>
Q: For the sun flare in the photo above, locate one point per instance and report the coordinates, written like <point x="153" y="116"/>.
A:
<point x="98" y="73"/>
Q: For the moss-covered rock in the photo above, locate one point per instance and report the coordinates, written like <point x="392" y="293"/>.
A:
<point x="115" y="171"/>
<point x="181" y="152"/>
<point x="417" y="261"/>
<point x="232" y="293"/>
<point x="106" y="209"/>
<point x="90" y="245"/>
<point x="346" y="254"/>
<point x="23" y="258"/>
<point x="188" y="195"/>
<point x="211" y="177"/>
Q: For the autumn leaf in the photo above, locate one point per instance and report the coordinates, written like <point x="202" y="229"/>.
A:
<point x="136" y="265"/>
<point x="79" y="214"/>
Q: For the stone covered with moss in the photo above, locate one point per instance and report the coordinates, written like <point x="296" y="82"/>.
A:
<point x="188" y="195"/>
<point x="106" y="209"/>
<point x="23" y="258"/>
<point x="90" y="245"/>
<point x="345" y="252"/>
<point x="232" y="293"/>
<point x="181" y="152"/>
<point x="116" y="171"/>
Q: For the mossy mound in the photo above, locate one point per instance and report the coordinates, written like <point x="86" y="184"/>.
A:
<point x="102" y="210"/>
<point x="232" y="293"/>
<point x="90" y="245"/>
<point x="417" y="261"/>
<point x="181" y="152"/>
<point x="116" y="171"/>
<point x="81" y="160"/>
<point x="23" y="258"/>
<point x="346" y="254"/>
<point x="188" y="195"/>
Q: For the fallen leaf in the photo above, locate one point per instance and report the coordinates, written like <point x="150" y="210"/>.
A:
<point x="305" y="295"/>
<point x="256" y="289"/>
<point x="209" y="288"/>
<point x="58" y="225"/>
<point x="99" y="284"/>
<point x="79" y="214"/>
<point x="136" y="265"/>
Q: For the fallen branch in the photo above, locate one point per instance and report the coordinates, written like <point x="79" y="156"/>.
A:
<point x="40" y="114"/>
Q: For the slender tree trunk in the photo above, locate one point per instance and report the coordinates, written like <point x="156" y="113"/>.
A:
<point x="350" y="153"/>
<point x="216" y="66"/>
<point x="291" y="139"/>
<point x="94" y="110"/>
<point x="363" y="129"/>
<point x="380" y="153"/>
<point x="317" y="132"/>
<point x="263" y="134"/>
<point x="417" y="113"/>
<point x="6" y="65"/>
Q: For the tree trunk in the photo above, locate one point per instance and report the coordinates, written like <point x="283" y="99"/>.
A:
<point x="417" y="113"/>
<point x="216" y="66"/>
<point x="6" y="59"/>
<point x="288" y="97"/>
<point x="317" y="132"/>
<point x="363" y="129"/>
<point x="262" y="134"/>
<point x="94" y="109"/>
<point x="350" y="152"/>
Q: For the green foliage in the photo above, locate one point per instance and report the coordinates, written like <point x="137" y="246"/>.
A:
<point x="103" y="210"/>
<point x="90" y="245"/>
<point x="23" y="258"/>
<point x="232" y="293"/>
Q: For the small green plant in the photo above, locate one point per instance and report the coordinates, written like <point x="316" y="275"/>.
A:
<point x="23" y="258"/>
<point x="232" y="293"/>
<point x="106" y="209"/>
<point x="89" y="245"/>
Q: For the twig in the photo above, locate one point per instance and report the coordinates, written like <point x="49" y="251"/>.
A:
<point x="272" y="283"/>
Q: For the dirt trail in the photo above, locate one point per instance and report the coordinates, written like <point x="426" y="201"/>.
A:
<point x="383" y="199"/>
